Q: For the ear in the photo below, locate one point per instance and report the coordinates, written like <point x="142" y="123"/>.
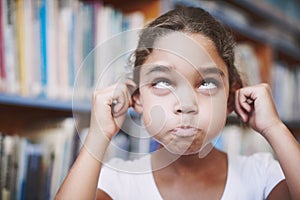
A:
<point x="231" y="98"/>
<point x="137" y="103"/>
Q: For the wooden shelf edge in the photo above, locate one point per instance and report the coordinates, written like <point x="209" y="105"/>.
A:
<point x="44" y="103"/>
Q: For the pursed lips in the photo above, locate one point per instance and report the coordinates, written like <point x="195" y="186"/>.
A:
<point x="185" y="131"/>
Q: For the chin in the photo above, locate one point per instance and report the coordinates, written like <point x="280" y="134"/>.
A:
<point x="182" y="151"/>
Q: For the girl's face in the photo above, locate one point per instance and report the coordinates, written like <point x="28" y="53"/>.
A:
<point x="183" y="92"/>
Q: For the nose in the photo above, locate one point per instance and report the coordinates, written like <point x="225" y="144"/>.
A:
<point x="186" y="102"/>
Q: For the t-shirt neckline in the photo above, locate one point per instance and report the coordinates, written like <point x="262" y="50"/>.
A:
<point x="226" y="183"/>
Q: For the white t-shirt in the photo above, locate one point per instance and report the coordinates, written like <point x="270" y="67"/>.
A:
<point x="248" y="178"/>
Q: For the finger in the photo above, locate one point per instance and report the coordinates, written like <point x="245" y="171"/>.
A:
<point x="245" y="100"/>
<point x="122" y="102"/>
<point x="118" y="103"/>
<point x="238" y="108"/>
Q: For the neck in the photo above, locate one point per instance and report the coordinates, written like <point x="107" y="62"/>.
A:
<point x="183" y="163"/>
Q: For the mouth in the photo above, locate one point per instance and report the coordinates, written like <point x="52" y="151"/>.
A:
<point x="185" y="131"/>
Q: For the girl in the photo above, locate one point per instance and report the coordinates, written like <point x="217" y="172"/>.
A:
<point x="185" y="85"/>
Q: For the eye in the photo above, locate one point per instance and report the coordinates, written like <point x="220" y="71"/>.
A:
<point x="208" y="84"/>
<point x="162" y="84"/>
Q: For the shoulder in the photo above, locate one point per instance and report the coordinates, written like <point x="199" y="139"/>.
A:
<point x="120" y="178"/>
<point x="257" y="166"/>
<point x="258" y="160"/>
<point x="259" y="172"/>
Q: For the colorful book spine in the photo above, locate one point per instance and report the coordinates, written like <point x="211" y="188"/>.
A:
<point x="45" y="42"/>
<point x="21" y="45"/>
<point x="72" y="54"/>
<point x="43" y="47"/>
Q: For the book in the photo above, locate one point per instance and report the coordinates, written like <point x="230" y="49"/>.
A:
<point x="237" y="140"/>
<point x="9" y="167"/>
<point x="247" y="64"/>
<point x="65" y="42"/>
<point x="21" y="46"/>
<point x="31" y="47"/>
<point x="84" y="80"/>
<point x="52" y="86"/>
<point x="34" y="165"/>
<point x="34" y="173"/>
<point x="22" y="166"/>
<point x="10" y="46"/>
<point x="42" y="11"/>
<point x="296" y="105"/>
<point x="2" y="61"/>
<point x="56" y="137"/>
<point x="284" y="90"/>
<point x="49" y="47"/>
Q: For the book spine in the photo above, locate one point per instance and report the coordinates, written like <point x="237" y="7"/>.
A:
<point x="63" y="57"/>
<point x="87" y="68"/>
<point x="11" y="61"/>
<point x="72" y="55"/>
<point x="34" y="172"/>
<point x="29" y="51"/>
<point x="7" y="167"/>
<point x="1" y="162"/>
<point x="43" y="45"/>
<point x="52" y="46"/>
<point x="21" y="45"/>
<point x="2" y="57"/>
<point x="22" y="169"/>
<point x="36" y="43"/>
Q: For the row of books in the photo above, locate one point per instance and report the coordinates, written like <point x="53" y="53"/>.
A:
<point x="286" y="90"/>
<point x="289" y="8"/>
<point x="34" y="164"/>
<point x="239" y="140"/>
<point x="285" y="80"/>
<point x="44" y="43"/>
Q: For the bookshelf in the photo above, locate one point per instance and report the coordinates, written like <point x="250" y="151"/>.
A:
<point x="36" y="85"/>
<point x="255" y="26"/>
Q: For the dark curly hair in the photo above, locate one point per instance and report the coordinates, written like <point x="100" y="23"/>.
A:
<point x="190" y="20"/>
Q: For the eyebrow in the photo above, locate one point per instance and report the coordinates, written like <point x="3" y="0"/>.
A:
<point x="204" y="71"/>
<point x="212" y="70"/>
<point x="159" y="68"/>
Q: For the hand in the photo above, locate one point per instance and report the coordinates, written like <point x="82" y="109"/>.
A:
<point x="255" y="106"/>
<point x="109" y="108"/>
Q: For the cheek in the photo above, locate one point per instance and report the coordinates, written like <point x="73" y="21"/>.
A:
<point x="217" y="118"/>
<point x="155" y="115"/>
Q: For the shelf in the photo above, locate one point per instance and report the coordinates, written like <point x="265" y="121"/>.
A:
<point x="43" y="103"/>
<point x="260" y="35"/>
<point x="270" y="12"/>
<point x="255" y="33"/>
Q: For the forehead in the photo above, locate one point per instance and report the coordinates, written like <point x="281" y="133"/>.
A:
<point x="189" y="49"/>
